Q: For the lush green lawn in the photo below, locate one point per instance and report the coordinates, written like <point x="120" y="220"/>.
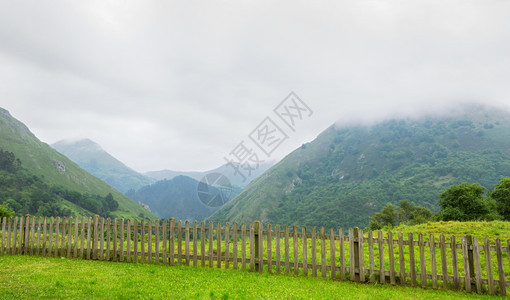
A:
<point x="43" y="277"/>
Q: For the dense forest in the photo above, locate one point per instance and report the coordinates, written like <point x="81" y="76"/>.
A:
<point x="24" y="193"/>
<point x="348" y="173"/>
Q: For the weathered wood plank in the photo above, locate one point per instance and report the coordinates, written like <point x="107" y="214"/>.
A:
<point x="32" y="237"/>
<point x="57" y="232"/>
<point x="278" y="254"/>
<point x="45" y="235"/>
<point x="179" y="242"/>
<point x="149" y="241"/>
<point x="380" y="244"/>
<point x="352" y="271"/>
<point x="164" y="231"/>
<point x="412" y="262"/>
<point x="156" y="238"/>
<point x="401" y="258"/>
<point x="423" y="270"/>
<point x="371" y="260"/>
<point x="296" y="250"/>
<point x="305" y="252"/>
<point x="243" y="246"/>
<point x="120" y="252"/>
<point x="453" y="247"/>
<point x="195" y="243"/>
<point x="269" y="250"/>
<point x="171" y="239"/>
<point x="478" y="267"/>
<point x="114" y="240"/>
<point x="314" y="252"/>
<point x="218" y="245"/>
<point x="488" y="265"/>
<point x="186" y="242"/>
<point x="323" y="252"/>
<point x="128" y="240"/>
<point x="501" y="271"/>
<point x="63" y="237"/>
<point x="444" y="266"/>
<point x="4" y="223"/>
<point x="465" y="259"/>
<point x="96" y="237"/>
<point x="69" y="236"/>
<point x="108" y="237"/>
<point x="342" y="253"/>
<point x="234" y="245"/>
<point x="252" y="247"/>
<point x="38" y="247"/>
<point x="211" y="243"/>
<point x="89" y="236"/>
<point x="227" y="245"/>
<point x="278" y="258"/>
<point x="76" y="234"/>
<point x="135" y="240"/>
<point x="202" y="243"/>
<point x="433" y="263"/>
<point x="26" y="233"/>
<point x="332" y="253"/>
<point x="286" y="245"/>
<point x="101" y="240"/>
<point x="261" y="248"/>
<point x="142" y="240"/>
<point x="391" y="258"/>
<point x="50" y="237"/>
<point x="361" y="257"/>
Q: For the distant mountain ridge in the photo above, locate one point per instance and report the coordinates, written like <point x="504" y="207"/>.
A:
<point x="226" y="170"/>
<point x="91" y="157"/>
<point x="175" y="198"/>
<point x="349" y="172"/>
<point x="55" y="169"/>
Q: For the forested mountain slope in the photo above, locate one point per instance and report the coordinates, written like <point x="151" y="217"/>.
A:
<point x="349" y="172"/>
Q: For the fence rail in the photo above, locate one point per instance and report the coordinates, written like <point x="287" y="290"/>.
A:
<point x="438" y="262"/>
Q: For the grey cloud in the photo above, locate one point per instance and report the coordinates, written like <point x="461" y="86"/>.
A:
<point x="168" y="84"/>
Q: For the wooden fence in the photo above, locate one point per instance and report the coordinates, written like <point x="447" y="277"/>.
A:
<point x="438" y="262"/>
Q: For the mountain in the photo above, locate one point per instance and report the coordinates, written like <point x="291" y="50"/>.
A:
<point x="226" y="170"/>
<point x="349" y="172"/>
<point x="179" y="198"/>
<point x="55" y="169"/>
<point x="92" y="158"/>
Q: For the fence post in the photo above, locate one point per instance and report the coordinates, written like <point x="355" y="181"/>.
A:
<point x="469" y="241"/>
<point x="356" y="253"/>
<point x="257" y="245"/>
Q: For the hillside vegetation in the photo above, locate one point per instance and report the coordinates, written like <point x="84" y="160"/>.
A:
<point x="347" y="173"/>
<point x="54" y="169"/>
<point x="176" y="198"/>
<point x="29" y="194"/>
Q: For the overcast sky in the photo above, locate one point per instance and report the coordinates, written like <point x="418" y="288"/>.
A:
<point x="178" y="84"/>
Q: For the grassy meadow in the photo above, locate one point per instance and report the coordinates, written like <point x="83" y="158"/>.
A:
<point x="60" y="278"/>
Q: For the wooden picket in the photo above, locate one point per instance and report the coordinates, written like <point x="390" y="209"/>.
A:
<point x="473" y="265"/>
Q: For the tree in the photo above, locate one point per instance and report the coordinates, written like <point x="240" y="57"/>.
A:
<point x="5" y="211"/>
<point x="463" y="202"/>
<point x="387" y="217"/>
<point x="111" y="203"/>
<point x="411" y="214"/>
<point x="501" y="194"/>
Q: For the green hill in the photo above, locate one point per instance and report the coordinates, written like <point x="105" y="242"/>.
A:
<point x="176" y="198"/>
<point x="92" y="158"/>
<point x="55" y="169"/>
<point x="349" y="172"/>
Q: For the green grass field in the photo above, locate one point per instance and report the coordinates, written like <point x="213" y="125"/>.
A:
<point x="43" y="277"/>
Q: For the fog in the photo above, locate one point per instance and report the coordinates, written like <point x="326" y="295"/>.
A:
<point x="177" y="85"/>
